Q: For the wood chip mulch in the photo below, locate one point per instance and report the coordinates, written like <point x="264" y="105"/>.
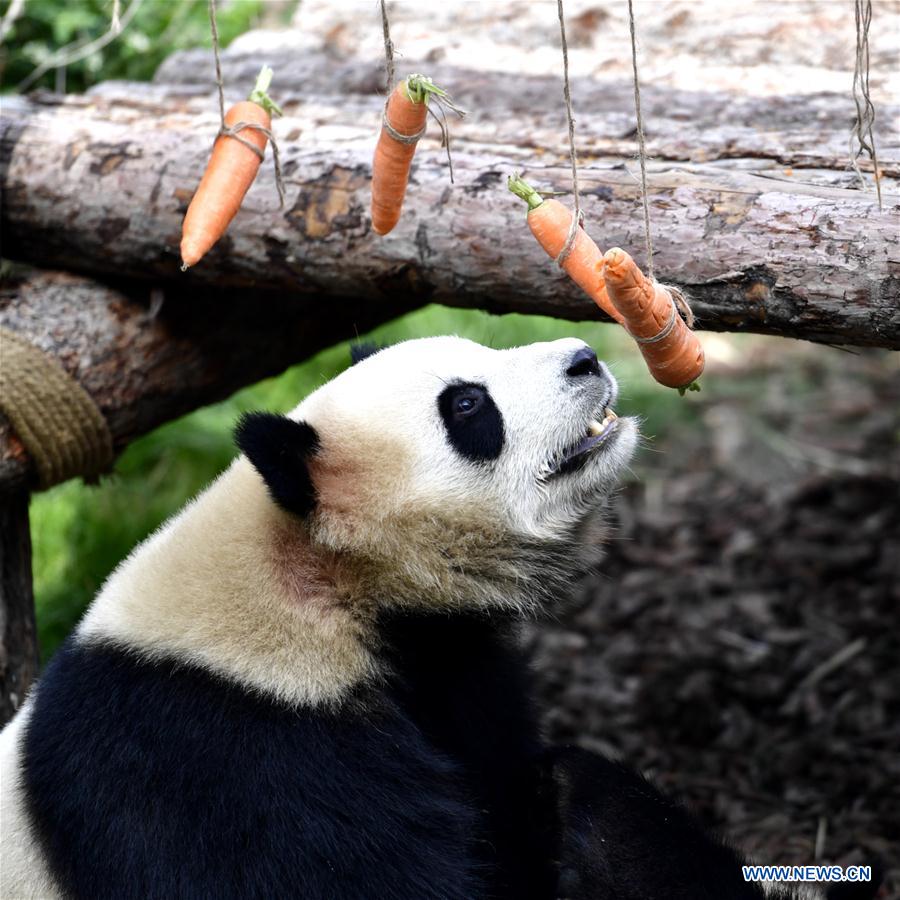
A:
<point x="742" y="642"/>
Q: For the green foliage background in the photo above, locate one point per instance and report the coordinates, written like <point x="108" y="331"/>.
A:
<point x="159" y="27"/>
<point x="79" y="532"/>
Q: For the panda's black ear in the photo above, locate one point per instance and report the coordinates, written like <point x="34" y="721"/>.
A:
<point x="361" y="351"/>
<point x="279" y="447"/>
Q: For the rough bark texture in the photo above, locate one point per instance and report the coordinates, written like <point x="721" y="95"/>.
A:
<point x="147" y="355"/>
<point x="752" y="208"/>
<point x="18" y="636"/>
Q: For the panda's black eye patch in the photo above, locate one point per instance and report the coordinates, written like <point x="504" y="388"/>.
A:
<point x="473" y="422"/>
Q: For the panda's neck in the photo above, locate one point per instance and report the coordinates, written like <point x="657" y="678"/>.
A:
<point x="232" y="585"/>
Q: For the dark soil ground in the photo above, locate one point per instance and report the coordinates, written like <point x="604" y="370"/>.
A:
<point x="742" y="642"/>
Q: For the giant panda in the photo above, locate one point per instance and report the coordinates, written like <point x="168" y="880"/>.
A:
<point x="308" y="684"/>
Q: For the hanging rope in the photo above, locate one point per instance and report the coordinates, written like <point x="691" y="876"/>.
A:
<point x="679" y="300"/>
<point x="233" y="131"/>
<point x="389" y="86"/>
<point x="388" y="51"/>
<point x="440" y="98"/>
<point x="51" y="413"/>
<point x="642" y="148"/>
<point x="862" y="134"/>
<point x="578" y="218"/>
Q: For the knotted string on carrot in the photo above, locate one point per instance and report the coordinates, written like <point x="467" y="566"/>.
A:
<point x="658" y="317"/>
<point x="403" y="124"/>
<point x="578" y="218"/>
<point x="671" y="350"/>
<point x="680" y="302"/>
<point x="259" y="97"/>
<point x="233" y="164"/>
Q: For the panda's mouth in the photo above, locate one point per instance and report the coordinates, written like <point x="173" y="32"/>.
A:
<point x="574" y="457"/>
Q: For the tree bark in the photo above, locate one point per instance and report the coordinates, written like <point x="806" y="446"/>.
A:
<point x="100" y="184"/>
<point x="754" y="133"/>
<point x="19" y="648"/>
<point x="148" y="354"/>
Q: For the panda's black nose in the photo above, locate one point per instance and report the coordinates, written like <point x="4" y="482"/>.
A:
<point x="584" y="362"/>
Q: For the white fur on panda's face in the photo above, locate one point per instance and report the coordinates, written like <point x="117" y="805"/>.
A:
<point x="387" y="446"/>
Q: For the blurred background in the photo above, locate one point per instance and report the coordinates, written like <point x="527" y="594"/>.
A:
<point x="742" y="642"/>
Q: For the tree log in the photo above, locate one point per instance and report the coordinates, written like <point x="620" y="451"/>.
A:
<point x="754" y="133"/>
<point x="18" y="635"/>
<point x="100" y="183"/>
<point x="150" y="354"/>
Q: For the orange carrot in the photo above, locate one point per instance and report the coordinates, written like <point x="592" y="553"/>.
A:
<point x="549" y="222"/>
<point x="231" y="170"/>
<point x="676" y="359"/>
<point x="406" y="112"/>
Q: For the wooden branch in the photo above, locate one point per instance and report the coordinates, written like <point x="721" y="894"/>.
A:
<point x="149" y="354"/>
<point x="18" y="635"/>
<point x="100" y="183"/>
<point x="757" y="133"/>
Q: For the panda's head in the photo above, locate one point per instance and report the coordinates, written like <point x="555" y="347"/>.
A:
<point x="441" y="472"/>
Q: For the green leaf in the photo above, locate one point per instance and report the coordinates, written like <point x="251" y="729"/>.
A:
<point x="77" y="21"/>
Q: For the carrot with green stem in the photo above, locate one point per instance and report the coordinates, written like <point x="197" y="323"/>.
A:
<point x="402" y="124"/>
<point x="671" y="350"/>
<point x="231" y="170"/>
<point x="549" y="221"/>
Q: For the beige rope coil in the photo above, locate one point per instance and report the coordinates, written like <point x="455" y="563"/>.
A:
<point x="55" y="418"/>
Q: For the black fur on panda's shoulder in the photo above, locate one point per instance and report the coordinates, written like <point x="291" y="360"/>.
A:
<point x="151" y="779"/>
<point x="278" y="448"/>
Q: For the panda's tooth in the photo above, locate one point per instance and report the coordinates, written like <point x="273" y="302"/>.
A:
<point x="595" y="428"/>
<point x="609" y="413"/>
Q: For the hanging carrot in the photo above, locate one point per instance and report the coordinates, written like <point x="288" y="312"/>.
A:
<point x="406" y="112"/>
<point x="231" y="170"/>
<point x="671" y="350"/>
<point x="549" y="221"/>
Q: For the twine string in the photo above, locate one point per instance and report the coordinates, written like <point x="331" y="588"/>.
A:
<point x="445" y="132"/>
<point x="388" y="50"/>
<point x="862" y="132"/>
<point x="664" y="332"/>
<point x="399" y="136"/>
<point x="578" y="217"/>
<point x="642" y="148"/>
<point x="234" y="130"/>
<point x="680" y="304"/>
<point x="679" y="298"/>
<point x="441" y="100"/>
